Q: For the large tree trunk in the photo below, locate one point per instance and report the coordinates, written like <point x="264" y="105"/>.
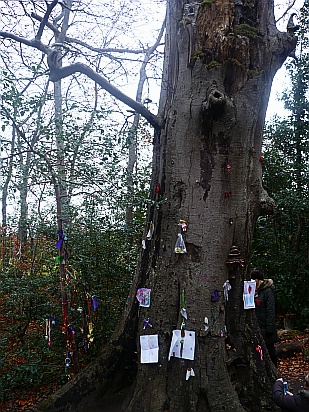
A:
<point x="220" y="60"/>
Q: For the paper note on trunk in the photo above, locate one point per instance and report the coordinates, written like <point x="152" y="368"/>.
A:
<point x="182" y="346"/>
<point x="249" y="292"/>
<point x="143" y="296"/>
<point x="149" y="348"/>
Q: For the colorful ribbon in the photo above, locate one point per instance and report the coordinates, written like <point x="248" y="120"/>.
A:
<point x="95" y="302"/>
<point x="147" y="323"/>
<point x="259" y="349"/>
<point x="60" y="239"/>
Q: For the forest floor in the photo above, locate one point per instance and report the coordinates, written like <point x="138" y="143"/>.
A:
<point x="293" y="369"/>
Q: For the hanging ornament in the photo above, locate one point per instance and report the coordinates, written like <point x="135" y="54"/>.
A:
<point x="228" y="194"/>
<point x="226" y="288"/>
<point x="183" y="224"/>
<point x="261" y="159"/>
<point x="150" y="231"/>
<point x="158" y="188"/>
<point x="180" y="246"/>
<point x="231" y="221"/>
<point x="228" y="167"/>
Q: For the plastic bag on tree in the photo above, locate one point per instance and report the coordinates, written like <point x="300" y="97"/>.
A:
<point x="180" y="246"/>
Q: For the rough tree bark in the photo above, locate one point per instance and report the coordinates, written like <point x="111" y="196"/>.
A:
<point x="220" y="60"/>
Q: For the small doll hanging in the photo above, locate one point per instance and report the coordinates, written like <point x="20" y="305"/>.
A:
<point x="180" y="246"/>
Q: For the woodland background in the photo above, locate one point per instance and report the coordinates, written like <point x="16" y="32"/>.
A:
<point x="99" y="152"/>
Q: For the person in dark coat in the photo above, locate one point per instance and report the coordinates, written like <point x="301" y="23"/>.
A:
<point x="289" y="402"/>
<point x="265" y="311"/>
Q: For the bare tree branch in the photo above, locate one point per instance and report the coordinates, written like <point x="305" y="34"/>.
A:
<point x="57" y="74"/>
<point x="68" y="39"/>
<point x="31" y="148"/>
<point x="32" y="43"/>
<point x="50" y="8"/>
<point x="286" y="11"/>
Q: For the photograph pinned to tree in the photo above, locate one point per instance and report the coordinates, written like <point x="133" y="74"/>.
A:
<point x="248" y="295"/>
<point x="143" y="297"/>
<point x="149" y="348"/>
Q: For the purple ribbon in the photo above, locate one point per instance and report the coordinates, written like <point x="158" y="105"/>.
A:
<point x="147" y="323"/>
<point x="60" y="239"/>
<point x="95" y="302"/>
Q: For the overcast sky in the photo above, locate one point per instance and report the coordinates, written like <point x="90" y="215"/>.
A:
<point x="280" y="81"/>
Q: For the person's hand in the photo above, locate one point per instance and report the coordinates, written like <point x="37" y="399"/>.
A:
<point x="289" y="393"/>
<point x="280" y="379"/>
